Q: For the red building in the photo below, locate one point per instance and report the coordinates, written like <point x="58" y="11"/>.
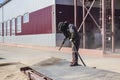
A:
<point x="34" y="22"/>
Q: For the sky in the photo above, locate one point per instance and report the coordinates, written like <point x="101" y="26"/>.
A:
<point x="1" y="1"/>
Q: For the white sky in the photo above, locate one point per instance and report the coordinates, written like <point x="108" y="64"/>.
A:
<point x="1" y="1"/>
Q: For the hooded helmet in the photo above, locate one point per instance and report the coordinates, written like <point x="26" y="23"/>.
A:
<point x="63" y="26"/>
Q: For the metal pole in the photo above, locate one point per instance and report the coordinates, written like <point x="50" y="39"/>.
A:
<point x="75" y="13"/>
<point x="100" y="14"/>
<point x="86" y="14"/>
<point x="84" y="42"/>
<point x="103" y="25"/>
<point x="54" y="19"/>
<point x="113" y="24"/>
<point x="3" y="24"/>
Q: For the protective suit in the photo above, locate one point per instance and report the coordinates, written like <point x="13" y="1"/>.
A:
<point x="70" y="32"/>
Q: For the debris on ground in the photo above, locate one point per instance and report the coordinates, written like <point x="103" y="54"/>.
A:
<point x="11" y="71"/>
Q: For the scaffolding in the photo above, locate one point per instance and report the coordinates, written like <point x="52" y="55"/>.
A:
<point x="105" y="24"/>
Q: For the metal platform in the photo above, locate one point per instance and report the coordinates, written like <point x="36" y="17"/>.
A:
<point x="59" y="69"/>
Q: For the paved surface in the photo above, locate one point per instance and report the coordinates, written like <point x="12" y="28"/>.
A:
<point x="31" y="57"/>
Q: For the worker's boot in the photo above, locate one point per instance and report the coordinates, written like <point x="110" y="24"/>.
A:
<point x="74" y="64"/>
<point x="74" y="59"/>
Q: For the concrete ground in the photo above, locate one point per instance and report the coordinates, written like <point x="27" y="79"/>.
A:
<point x="30" y="56"/>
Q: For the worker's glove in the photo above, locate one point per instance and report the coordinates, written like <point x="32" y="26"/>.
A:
<point x="71" y="40"/>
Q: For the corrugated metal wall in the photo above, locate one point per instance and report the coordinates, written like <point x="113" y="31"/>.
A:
<point x="35" y="32"/>
<point x="40" y="22"/>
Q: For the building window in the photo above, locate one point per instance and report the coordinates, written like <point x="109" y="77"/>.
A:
<point x="26" y="18"/>
<point x="19" y="28"/>
<point x="8" y="28"/>
<point x="13" y="26"/>
<point x="5" y="29"/>
<point x="0" y="29"/>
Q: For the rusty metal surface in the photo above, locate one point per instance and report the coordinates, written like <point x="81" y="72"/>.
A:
<point x="59" y="69"/>
<point x="33" y="74"/>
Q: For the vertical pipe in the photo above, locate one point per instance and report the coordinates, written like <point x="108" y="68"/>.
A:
<point x="84" y="25"/>
<point x="113" y="24"/>
<point x="54" y="22"/>
<point x="103" y="25"/>
<point x="54" y="18"/>
<point x="100" y="14"/>
<point x="75" y="12"/>
<point x="3" y="23"/>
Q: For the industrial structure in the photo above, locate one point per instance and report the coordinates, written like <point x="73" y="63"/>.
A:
<point x="34" y="22"/>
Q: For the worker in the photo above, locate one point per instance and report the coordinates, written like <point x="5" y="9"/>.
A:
<point x="70" y="32"/>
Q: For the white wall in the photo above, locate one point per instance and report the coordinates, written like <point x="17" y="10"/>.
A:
<point x="1" y="39"/>
<point x="0" y="14"/>
<point x="40" y="39"/>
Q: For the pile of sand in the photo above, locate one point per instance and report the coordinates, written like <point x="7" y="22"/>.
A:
<point x="11" y="71"/>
